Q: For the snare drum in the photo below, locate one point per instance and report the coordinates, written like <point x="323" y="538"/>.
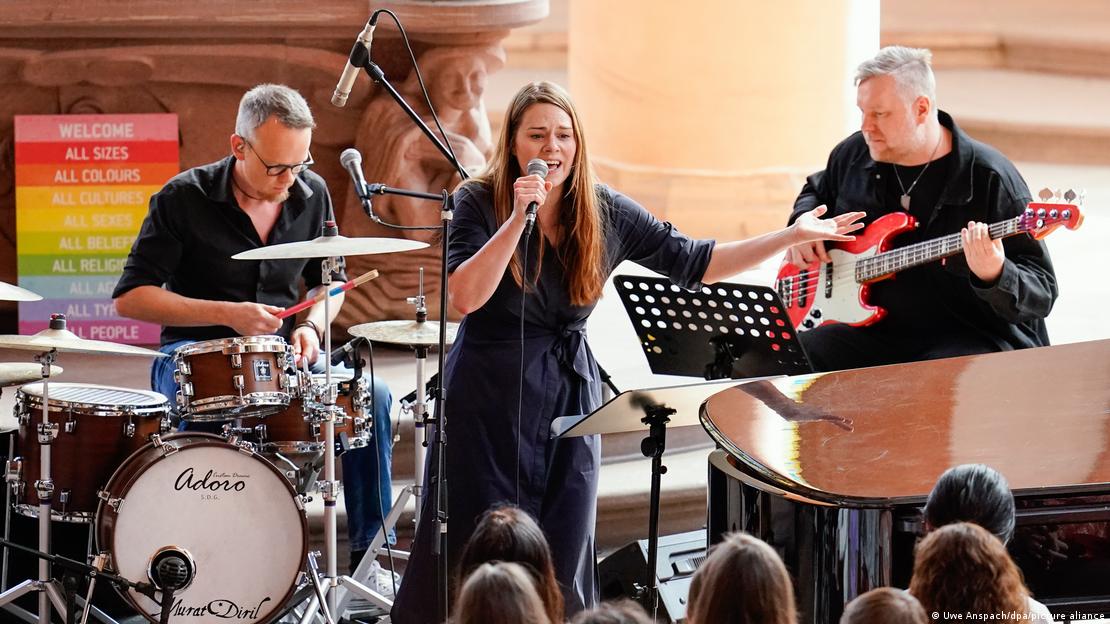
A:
<point x="232" y="377"/>
<point x="97" y="427"/>
<point x="223" y="510"/>
<point x="299" y="429"/>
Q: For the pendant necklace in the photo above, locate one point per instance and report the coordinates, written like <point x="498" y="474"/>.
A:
<point x="905" y="198"/>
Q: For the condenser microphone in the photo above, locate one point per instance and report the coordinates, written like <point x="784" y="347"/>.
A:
<point x="360" y="54"/>
<point x="536" y="166"/>
<point x="352" y="162"/>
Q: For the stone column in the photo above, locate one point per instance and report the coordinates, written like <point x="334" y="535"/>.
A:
<point x="711" y="113"/>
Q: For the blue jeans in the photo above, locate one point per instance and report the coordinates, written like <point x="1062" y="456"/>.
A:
<point x="367" y="488"/>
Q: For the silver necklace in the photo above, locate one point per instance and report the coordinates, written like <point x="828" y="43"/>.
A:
<point x="905" y="198"/>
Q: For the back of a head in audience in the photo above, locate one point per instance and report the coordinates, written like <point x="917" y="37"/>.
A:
<point x="510" y="534"/>
<point x="884" y="605"/>
<point x="623" y="611"/>
<point x="972" y="493"/>
<point x="961" y="568"/>
<point x="499" y="593"/>
<point x="743" y="581"/>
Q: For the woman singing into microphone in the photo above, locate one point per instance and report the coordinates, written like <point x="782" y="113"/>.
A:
<point x="499" y="447"/>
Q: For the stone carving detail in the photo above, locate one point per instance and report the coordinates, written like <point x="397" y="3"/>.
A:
<point x="396" y="153"/>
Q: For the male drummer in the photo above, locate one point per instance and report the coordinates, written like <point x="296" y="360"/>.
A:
<point x="180" y="273"/>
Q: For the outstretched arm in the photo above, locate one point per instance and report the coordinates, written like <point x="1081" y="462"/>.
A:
<point x="731" y="258"/>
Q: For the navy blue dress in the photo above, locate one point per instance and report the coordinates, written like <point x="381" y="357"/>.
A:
<point x="557" y="481"/>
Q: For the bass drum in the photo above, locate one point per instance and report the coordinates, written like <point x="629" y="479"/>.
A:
<point x="225" y="511"/>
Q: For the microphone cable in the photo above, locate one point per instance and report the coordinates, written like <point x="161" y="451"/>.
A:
<point x="520" y="377"/>
<point x="427" y="98"/>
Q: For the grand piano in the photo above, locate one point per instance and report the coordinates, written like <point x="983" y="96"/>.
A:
<point x="833" y="469"/>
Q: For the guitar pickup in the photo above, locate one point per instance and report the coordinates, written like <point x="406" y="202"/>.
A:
<point x="828" y="280"/>
<point x="803" y="279"/>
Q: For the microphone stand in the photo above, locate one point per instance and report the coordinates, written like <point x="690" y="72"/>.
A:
<point x="378" y="77"/>
<point x="437" y="488"/>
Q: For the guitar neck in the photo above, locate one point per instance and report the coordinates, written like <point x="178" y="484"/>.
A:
<point x="890" y="262"/>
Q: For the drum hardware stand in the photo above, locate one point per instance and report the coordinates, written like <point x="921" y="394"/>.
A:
<point x="329" y="486"/>
<point x="421" y="419"/>
<point x="77" y="570"/>
<point x="50" y="594"/>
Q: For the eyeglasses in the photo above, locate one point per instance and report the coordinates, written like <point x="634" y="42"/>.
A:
<point x="276" y="170"/>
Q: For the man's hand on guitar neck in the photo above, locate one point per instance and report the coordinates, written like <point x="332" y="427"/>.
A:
<point x="985" y="256"/>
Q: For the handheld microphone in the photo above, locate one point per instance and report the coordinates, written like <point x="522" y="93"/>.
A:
<point x="536" y="166"/>
<point x="360" y="54"/>
<point x="352" y="162"/>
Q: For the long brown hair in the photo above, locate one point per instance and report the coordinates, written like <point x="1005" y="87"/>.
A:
<point x="499" y="593"/>
<point x="743" y="581"/>
<point x="582" y="244"/>
<point x="962" y="568"/>
<point x="510" y="534"/>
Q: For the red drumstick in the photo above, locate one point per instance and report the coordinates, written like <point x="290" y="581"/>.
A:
<point x="345" y="286"/>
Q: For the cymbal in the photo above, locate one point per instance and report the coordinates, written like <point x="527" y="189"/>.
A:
<point x="11" y="292"/>
<point x="328" y="246"/>
<point x="18" y="373"/>
<point x="68" y="342"/>
<point x="405" y="332"/>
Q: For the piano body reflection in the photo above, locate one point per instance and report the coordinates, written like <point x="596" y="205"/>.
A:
<point x="833" y="469"/>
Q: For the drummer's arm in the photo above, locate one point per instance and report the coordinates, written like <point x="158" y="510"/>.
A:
<point x="158" y="305"/>
<point x="306" y="336"/>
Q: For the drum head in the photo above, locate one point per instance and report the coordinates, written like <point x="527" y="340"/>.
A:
<point x="237" y="519"/>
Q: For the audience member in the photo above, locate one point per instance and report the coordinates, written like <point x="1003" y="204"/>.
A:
<point x="743" y="581"/>
<point x="884" y="605"/>
<point x="623" y="611"/>
<point x="500" y="593"/>
<point x="972" y="493"/>
<point x="510" y="534"/>
<point x="962" y="568"/>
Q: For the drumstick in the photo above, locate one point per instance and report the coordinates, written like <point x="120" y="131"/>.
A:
<point x="345" y="286"/>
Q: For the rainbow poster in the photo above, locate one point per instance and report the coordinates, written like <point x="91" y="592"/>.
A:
<point x="82" y="187"/>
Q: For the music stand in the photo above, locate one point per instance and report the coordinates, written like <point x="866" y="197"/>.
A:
<point x="726" y="330"/>
<point x="636" y="410"/>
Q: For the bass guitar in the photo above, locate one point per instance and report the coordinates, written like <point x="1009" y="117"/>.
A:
<point x="837" y="291"/>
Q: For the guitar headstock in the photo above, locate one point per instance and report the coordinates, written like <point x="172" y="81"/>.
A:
<point x="1054" y="209"/>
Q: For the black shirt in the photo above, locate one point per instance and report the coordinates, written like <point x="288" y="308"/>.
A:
<point x="979" y="184"/>
<point x="193" y="228"/>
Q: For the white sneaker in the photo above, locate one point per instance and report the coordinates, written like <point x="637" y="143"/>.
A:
<point x="383" y="581"/>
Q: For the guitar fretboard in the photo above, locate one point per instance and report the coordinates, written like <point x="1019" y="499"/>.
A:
<point x="895" y="260"/>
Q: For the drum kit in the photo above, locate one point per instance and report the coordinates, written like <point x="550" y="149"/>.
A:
<point x="196" y="526"/>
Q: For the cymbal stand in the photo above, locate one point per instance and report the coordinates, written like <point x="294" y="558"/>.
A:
<point x="329" y="486"/>
<point x="419" y="405"/>
<point x="49" y="591"/>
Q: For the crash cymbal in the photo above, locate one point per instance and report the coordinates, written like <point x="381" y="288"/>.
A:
<point x="60" y="338"/>
<point x="10" y="292"/>
<point x="18" y="373"/>
<point x="328" y="246"/>
<point x="409" y="333"/>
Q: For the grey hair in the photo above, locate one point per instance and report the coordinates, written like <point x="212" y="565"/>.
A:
<point x="272" y="100"/>
<point x="910" y="67"/>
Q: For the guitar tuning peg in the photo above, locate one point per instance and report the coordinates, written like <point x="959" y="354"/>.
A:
<point x="1069" y="196"/>
<point x="1045" y="194"/>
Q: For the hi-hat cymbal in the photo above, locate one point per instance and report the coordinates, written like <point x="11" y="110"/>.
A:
<point x="328" y="246"/>
<point x="18" y="373"/>
<point x="68" y="342"/>
<point x="11" y="292"/>
<point x="409" y="333"/>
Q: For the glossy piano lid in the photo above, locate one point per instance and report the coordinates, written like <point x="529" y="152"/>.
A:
<point x="1039" y="416"/>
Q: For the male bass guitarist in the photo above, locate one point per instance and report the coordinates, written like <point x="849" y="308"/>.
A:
<point x="911" y="158"/>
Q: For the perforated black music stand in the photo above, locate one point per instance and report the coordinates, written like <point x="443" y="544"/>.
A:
<point x="650" y="410"/>
<point x="721" y="331"/>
